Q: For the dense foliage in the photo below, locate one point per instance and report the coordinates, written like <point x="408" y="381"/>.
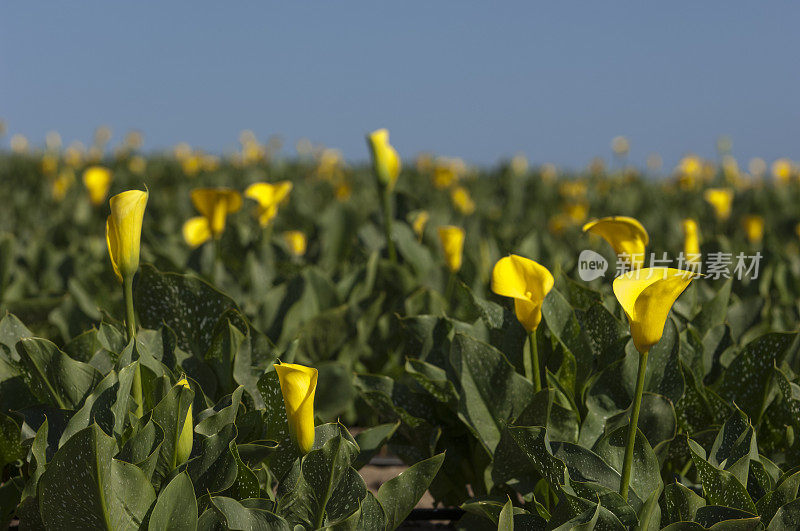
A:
<point x="428" y="363"/>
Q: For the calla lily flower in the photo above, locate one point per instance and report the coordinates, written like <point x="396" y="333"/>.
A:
<point x="124" y="231"/>
<point x="385" y="160"/>
<point x="527" y="282"/>
<point x="626" y="236"/>
<point x="452" y="239"/>
<point x="214" y="204"/>
<point x="97" y="180"/>
<point x="419" y="222"/>
<point x="298" y="385"/>
<point x="185" y="440"/>
<point x="754" y="228"/>
<point x="269" y="197"/>
<point x="691" y="240"/>
<point x="647" y="295"/>
<point x="721" y="200"/>
<point x="296" y="242"/>
<point x="462" y="200"/>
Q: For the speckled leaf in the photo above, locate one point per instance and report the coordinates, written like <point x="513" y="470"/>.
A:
<point x="236" y="517"/>
<point x="84" y="487"/>
<point x="143" y="449"/>
<point x="176" y="506"/>
<point x="680" y="503"/>
<point x="400" y="494"/>
<point x="371" y="440"/>
<point x="10" y="444"/>
<point x="746" y="379"/>
<point x="491" y="392"/>
<point x="214" y="469"/>
<point x="564" y="325"/>
<point x="721" y="518"/>
<point x="170" y="415"/>
<point x="188" y="305"/>
<point x="784" y="492"/>
<point x="224" y="412"/>
<point x="276" y="425"/>
<point x="646" y="470"/>
<point x="53" y="376"/>
<point x="787" y="518"/>
<point x="525" y="451"/>
<point x="720" y="487"/>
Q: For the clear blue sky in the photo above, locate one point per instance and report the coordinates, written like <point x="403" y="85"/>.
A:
<point x="480" y="80"/>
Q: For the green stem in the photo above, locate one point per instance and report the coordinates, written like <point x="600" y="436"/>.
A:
<point x="632" y="428"/>
<point x="533" y="366"/>
<point x="130" y="326"/>
<point x="386" y="203"/>
<point x="451" y="284"/>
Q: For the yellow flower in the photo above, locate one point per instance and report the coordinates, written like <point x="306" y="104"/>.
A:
<point x="462" y="200"/>
<point x="753" y="228"/>
<point x="647" y="295"/>
<point x="214" y="204"/>
<point x="782" y="170"/>
<point x="296" y="242"/>
<point x="185" y="440"/>
<point x="691" y="240"/>
<point x="97" y="180"/>
<point x="626" y="236"/>
<point x="269" y="196"/>
<point x="298" y="384"/>
<point x="191" y="164"/>
<point x="577" y="212"/>
<point x="721" y="200"/>
<point x="527" y="282"/>
<point x="689" y="170"/>
<point x="62" y="183"/>
<point x="385" y="160"/>
<point x="420" y="220"/>
<point x="49" y="164"/>
<point x="124" y="231"/>
<point x="452" y="239"/>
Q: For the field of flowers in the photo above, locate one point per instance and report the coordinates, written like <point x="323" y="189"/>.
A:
<point x="190" y="341"/>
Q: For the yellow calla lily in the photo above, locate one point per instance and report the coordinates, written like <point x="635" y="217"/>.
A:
<point x="185" y="440"/>
<point x="462" y="200"/>
<point x="124" y="231"/>
<point x="97" y="180"/>
<point x="296" y="242"/>
<point x="214" y="204"/>
<point x="452" y="239"/>
<point x="527" y="282"/>
<point x="721" y="200"/>
<point x="647" y="295"/>
<point x="626" y="236"/>
<point x="782" y="170"/>
<point x="298" y="385"/>
<point x="269" y="197"/>
<point x="385" y="160"/>
<point x="419" y="222"/>
<point x="753" y="228"/>
<point x="691" y="240"/>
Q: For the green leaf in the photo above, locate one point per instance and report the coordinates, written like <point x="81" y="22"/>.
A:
<point x="506" y="520"/>
<point x="646" y="470"/>
<point x="400" y="494"/>
<point x="176" y="506"/>
<point x="10" y="444"/>
<point x="371" y="440"/>
<point x="564" y="325"/>
<point x="720" y="486"/>
<point x="235" y="516"/>
<point x="85" y="487"/>
<point x="491" y="392"/>
<point x="54" y="377"/>
<point x="786" y="518"/>
<point x="680" y="503"/>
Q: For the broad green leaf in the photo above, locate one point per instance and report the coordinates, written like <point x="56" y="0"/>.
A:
<point x="85" y="487"/>
<point x="400" y="494"/>
<point x="176" y="506"/>
<point x="720" y="486"/>
<point x="235" y="516"/>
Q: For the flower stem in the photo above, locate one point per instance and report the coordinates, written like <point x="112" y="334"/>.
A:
<point x="386" y="203"/>
<point x="130" y="326"/>
<point x="532" y="367"/>
<point x="451" y="284"/>
<point x="632" y="428"/>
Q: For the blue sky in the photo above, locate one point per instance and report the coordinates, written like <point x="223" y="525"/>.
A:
<point x="480" y="80"/>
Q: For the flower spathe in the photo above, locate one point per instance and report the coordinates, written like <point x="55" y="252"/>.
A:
<point x="385" y="160"/>
<point x="625" y="234"/>
<point x="124" y="231"/>
<point x="186" y="438"/>
<point x="298" y="385"/>
<point x="97" y="180"/>
<point x="215" y="204"/>
<point x="721" y="200"/>
<point x="527" y="282"/>
<point x="269" y="196"/>
<point x="452" y="239"/>
<point x="296" y="242"/>
<point x="647" y="295"/>
<point x="691" y="240"/>
<point x="753" y="228"/>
